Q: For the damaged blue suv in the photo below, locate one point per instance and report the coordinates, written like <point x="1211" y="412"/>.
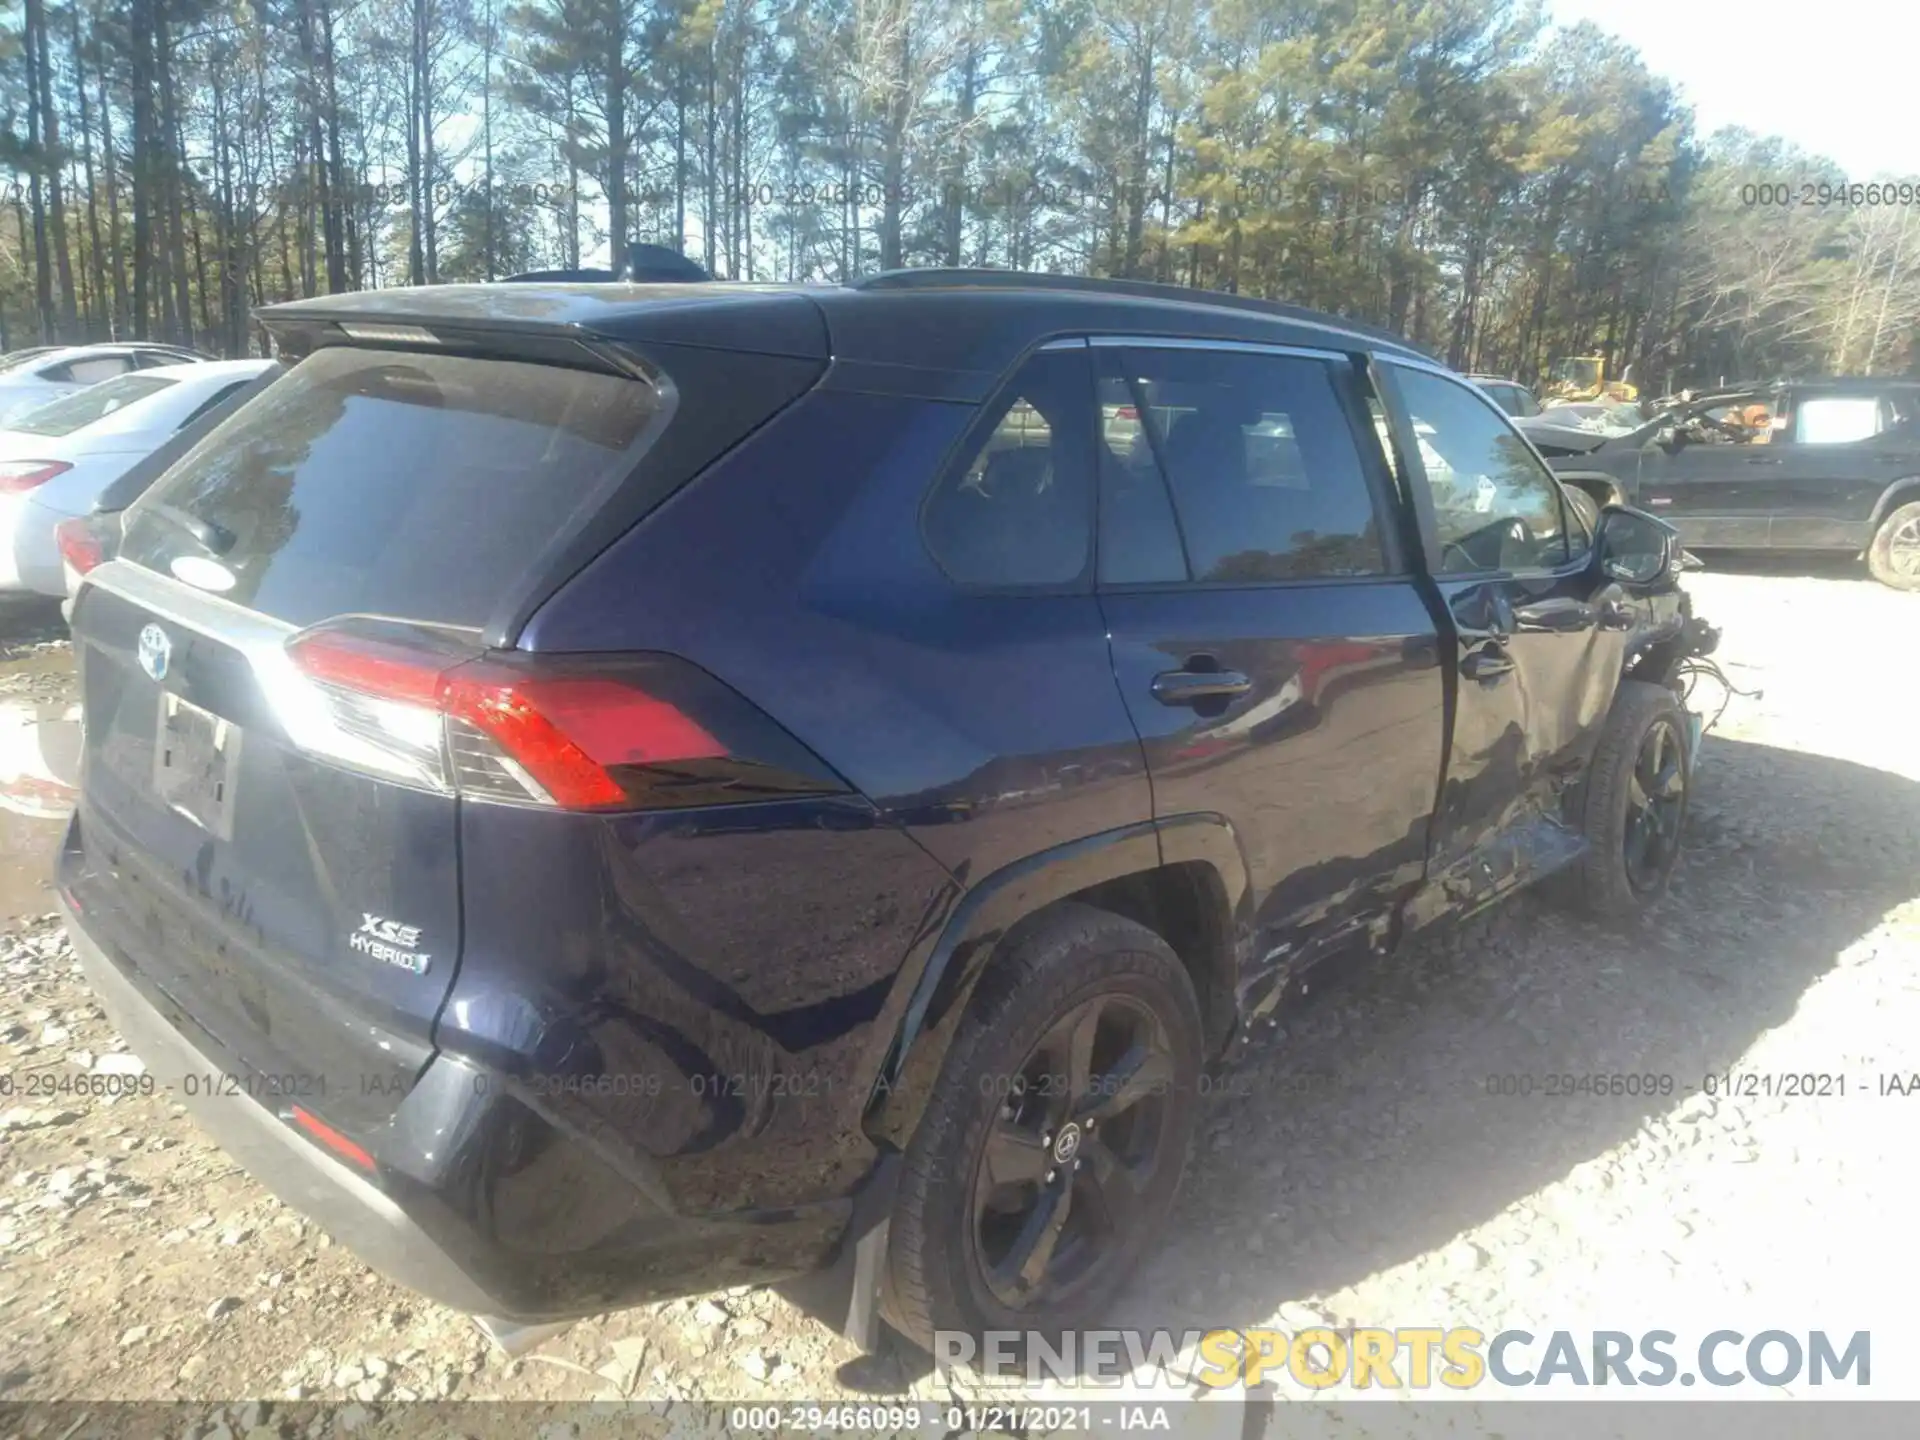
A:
<point x="622" y="790"/>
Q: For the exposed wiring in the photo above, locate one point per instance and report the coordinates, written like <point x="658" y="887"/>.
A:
<point x="1689" y="672"/>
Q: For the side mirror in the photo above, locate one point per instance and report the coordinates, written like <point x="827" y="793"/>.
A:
<point x="1670" y="436"/>
<point x="1634" y="547"/>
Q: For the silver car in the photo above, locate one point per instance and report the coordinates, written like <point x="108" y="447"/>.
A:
<point x="30" y="378"/>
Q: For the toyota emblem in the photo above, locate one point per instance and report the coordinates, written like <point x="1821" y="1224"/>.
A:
<point x="156" y="651"/>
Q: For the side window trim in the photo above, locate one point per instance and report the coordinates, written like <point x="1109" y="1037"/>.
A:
<point x="1352" y="383"/>
<point x="1100" y="362"/>
<point x="1409" y="470"/>
<point x="1402" y="424"/>
<point x="1234" y="347"/>
<point x="1348" y="377"/>
<point x="1410" y="531"/>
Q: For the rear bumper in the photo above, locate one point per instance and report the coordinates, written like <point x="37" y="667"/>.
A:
<point x="350" y="1208"/>
<point x="477" y="1202"/>
<point x="36" y="555"/>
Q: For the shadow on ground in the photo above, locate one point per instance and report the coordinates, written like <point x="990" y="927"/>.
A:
<point x="28" y="620"/>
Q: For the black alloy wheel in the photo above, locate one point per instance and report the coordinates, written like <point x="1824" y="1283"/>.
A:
<point x="1078" y="1140"/>
<point x="1656" y="801"/>
<point x="1048" y="1155"/>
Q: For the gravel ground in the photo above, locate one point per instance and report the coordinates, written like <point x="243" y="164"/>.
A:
<point x="1360" y="1171"/>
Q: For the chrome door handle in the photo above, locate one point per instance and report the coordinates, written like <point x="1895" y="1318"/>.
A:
<point x="1190" y="687"/>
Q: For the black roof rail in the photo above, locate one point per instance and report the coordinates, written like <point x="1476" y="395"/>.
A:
<point x="1849" y="380"/>
<point x="642" y="264"/>
<point x="951" y="277"/>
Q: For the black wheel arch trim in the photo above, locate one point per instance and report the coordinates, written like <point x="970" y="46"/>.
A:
<point x="1901" y="492"/>
<point x="948" y="964"/>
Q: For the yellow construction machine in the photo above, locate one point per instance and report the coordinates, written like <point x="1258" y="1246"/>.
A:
<point x="1584" y="377"/>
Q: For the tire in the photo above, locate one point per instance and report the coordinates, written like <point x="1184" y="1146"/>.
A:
<point x="947" y="1269"/>
<point x="1893" y="557"/>
<point x="1607" y="883"/>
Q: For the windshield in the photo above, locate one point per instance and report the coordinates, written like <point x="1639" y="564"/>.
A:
<point x="75" y="412"/>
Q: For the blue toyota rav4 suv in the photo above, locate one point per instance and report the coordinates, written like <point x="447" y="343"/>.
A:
<point x="601" y="792"/>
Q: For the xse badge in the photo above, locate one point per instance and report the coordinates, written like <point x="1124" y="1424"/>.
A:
<point x="390" y="942"/>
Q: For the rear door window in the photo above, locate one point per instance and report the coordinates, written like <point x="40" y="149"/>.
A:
<point x="1837" y="419"/>
<point x="420" y="486"/>
<point x="1262" y="463"/>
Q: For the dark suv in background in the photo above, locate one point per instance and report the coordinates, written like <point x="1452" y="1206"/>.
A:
<point x="1787" y="465"/>
<point x="617" y="791"/>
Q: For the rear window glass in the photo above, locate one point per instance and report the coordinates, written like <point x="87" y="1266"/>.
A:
<point x="76" y="412"/>
<point x="413" y="485"/>
<point x="92" y="370"/>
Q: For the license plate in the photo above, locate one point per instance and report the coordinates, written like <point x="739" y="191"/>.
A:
<point x="196" y="762"/>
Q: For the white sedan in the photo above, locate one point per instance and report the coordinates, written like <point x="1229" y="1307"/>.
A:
<point x="55" y="460"/>
<point x="31" y="378"/>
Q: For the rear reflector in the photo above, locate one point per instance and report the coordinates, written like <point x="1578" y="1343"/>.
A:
<point x="332" y="1139"/>
<point x="577" y="734"/>
<point x="19" y="476"/>
<point x="80" y="548"/>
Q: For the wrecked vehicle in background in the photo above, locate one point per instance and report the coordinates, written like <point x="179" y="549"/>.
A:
<point x="1809" y="465"/>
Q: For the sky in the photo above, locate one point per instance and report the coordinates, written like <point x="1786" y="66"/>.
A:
<point x="1839" y="78"/>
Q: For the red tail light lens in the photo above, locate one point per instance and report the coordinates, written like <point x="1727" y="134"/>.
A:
<point x="1126" y="412"/>
<point x="19" y="476"/>
<point x="332" y="1139"/>
<point x="370" y="666"/>
<point x="595" y="735"/>
<point x="80" y="548"/>
<point x="567" y="733"/>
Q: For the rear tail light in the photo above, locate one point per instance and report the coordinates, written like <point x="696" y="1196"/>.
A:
<point x="1126" y="412"/>
<point x="579" y="733"/>
<point x="80" y="548"/>
<point x="19" y="476"/>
